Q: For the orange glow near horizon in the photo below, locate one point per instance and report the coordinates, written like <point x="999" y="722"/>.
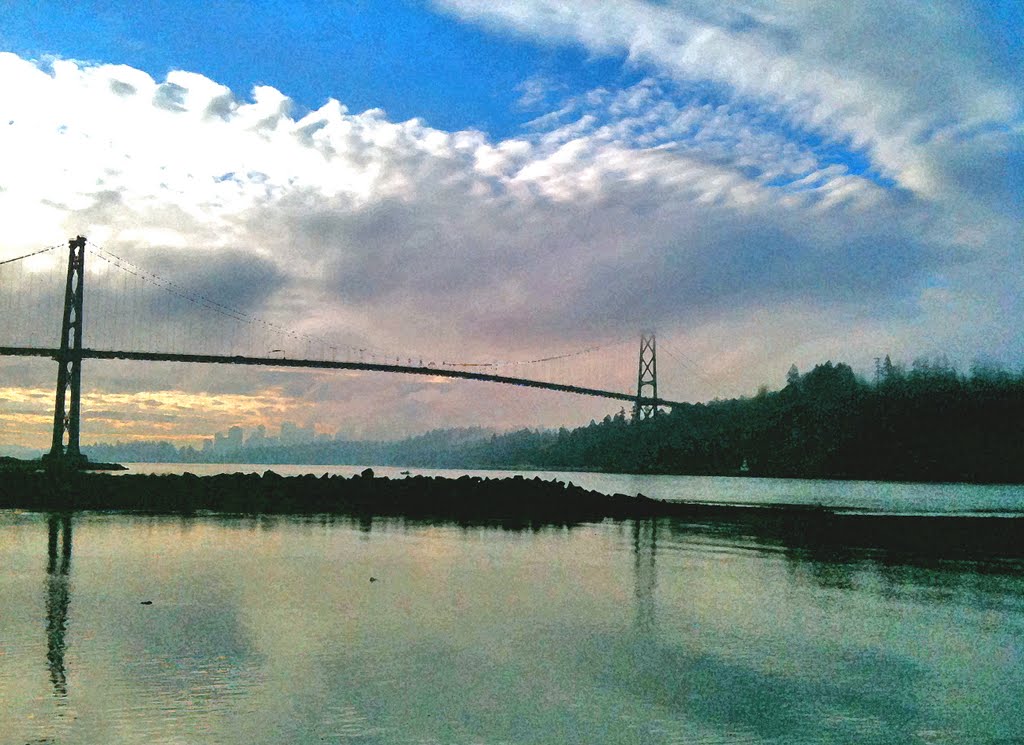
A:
<point x="176" y="416"/>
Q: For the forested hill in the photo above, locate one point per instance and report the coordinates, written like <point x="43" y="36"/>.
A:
<point x="930" y="424"/>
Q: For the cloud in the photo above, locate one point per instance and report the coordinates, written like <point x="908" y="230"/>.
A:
<point x="762" y="189"/>
<point x="888" y="77"/>
<point x="537" y="90"/>
<point x="170" y="96"/>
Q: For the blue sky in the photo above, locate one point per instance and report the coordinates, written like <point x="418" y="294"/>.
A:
<point x="407" y="57"/>
<point x="766" y="183"/>
<point x="404" y="57"/>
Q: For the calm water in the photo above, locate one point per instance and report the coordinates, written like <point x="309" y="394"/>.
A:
<point x="876" y="496"/>
<point x="271" y="631"/>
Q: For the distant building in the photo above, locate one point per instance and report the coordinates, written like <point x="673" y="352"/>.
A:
<point x="292" y="434"/>
<point x="234" y="439"/>
<point x="289" y="433"/>
<point x="258" y="438"/>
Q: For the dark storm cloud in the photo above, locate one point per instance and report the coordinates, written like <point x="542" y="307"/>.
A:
<point x="235" y="277"/>
<point x="750" y="268"/>
<point x="177" y="300"/>
<point x="634" y="254"/>
<point x="989" y="169"/>
<point x="395" y="247"/>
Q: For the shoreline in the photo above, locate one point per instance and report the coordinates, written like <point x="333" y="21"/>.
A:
<point x="516" y="502"/>
<point x="15" y="463"/>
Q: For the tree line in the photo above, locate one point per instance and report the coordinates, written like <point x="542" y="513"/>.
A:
<point x="926" y="423"/>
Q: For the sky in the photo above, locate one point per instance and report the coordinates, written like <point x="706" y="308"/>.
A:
<point x="761" y="183"/>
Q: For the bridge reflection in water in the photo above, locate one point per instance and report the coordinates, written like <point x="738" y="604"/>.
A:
<point x="645" y="549"/>
<point x="58" y="598"/>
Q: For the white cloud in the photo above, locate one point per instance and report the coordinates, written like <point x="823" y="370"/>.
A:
<point x="628" y="208"/>
<point x="887" y="76"/>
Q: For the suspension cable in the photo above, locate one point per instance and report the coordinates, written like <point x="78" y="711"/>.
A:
<point x="239" y="315"/>
<point x="691" y="365"/>
<point x="194" y="297"/>
<point x="514" y="363"/>
<point x="34" y="253"/>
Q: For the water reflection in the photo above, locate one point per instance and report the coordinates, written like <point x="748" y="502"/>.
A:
<point x="758" y="686"/>
<point x="266" y="630"/>
<point x="836" y="560"/>
<point x="58" y="597"/>
<point x="645" y="547"/>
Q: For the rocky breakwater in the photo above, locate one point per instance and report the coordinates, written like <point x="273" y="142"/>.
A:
<point x="515" y="502"/>
<point x="469" y="498"/>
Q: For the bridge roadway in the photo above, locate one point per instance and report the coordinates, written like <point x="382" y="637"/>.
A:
<point x="100" y="354"/>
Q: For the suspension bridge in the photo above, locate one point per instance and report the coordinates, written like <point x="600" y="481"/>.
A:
<point x="130" y="298"/>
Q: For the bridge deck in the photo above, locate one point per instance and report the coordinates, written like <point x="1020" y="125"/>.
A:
<point x="99" y="354"/>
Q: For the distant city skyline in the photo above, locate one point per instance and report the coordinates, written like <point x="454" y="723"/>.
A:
<point x="289" y="433"/>
<point x="764" y="184"/>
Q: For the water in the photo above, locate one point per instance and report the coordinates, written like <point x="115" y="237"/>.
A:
<point x="271" y="631"/>
<point x="874" y="496"/>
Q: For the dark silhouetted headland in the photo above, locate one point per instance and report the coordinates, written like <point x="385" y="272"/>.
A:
<point x="510" y="502"/>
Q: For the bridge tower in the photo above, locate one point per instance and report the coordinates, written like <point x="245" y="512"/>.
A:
<point x="69" y="358"/>
<point x="646" y="379"/>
